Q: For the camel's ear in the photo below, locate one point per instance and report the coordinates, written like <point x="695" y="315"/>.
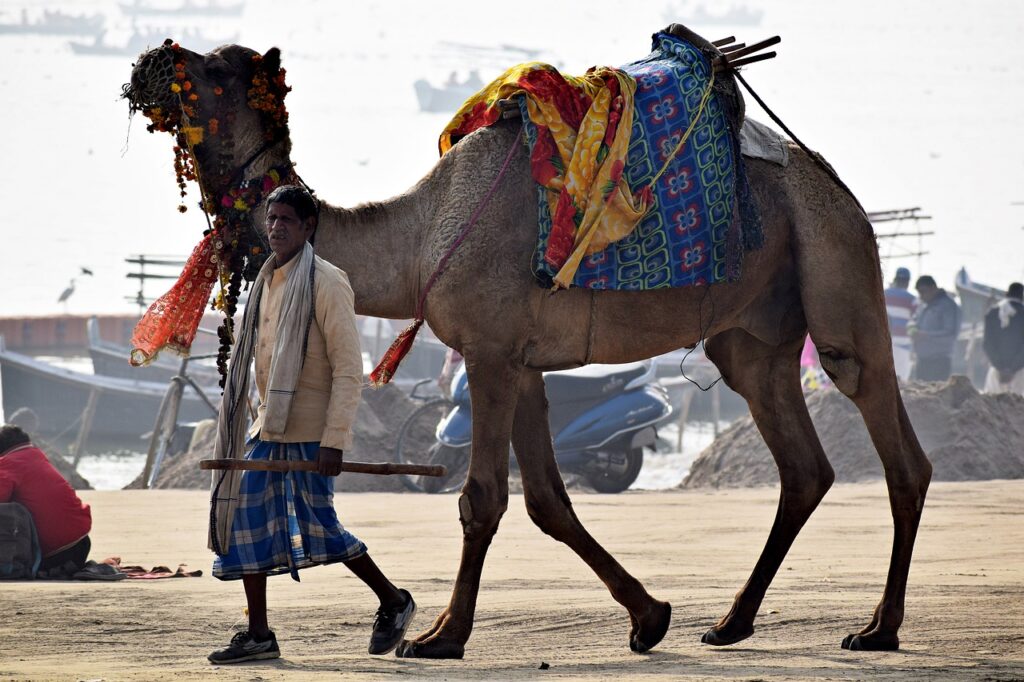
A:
<point x="272" y="60"/>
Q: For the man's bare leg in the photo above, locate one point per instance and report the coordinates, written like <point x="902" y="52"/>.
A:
<point x="256" y="598"/>
<point x="366" y="570"/>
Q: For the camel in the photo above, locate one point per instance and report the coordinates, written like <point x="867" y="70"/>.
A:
<point x="817" y="272"/>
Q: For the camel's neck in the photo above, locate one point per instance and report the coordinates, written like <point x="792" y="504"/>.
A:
<point x="378" y="245"/>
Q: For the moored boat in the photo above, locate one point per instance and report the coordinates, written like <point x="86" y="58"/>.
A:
<point x="125" y="409"/>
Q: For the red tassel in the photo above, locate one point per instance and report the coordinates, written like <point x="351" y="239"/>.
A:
<point x="388" y="364"/>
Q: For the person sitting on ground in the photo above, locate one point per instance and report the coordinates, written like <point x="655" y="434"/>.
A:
<point x="1004" y="343"/>
<point x="933" y="329"/>
<point x="300" y="328"/>
<point x="62" y="520"/>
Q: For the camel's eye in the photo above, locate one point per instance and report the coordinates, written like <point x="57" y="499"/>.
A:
<point x="219" y="70"/>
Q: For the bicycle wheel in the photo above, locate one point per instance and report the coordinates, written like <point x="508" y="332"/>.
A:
<point x="163" y="433"/>
<point x="418" y="444"/>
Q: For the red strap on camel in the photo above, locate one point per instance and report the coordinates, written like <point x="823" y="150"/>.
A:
<point x="393" y="356"/>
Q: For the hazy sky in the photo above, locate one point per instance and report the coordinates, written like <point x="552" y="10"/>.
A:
<point x="915" y="103"/>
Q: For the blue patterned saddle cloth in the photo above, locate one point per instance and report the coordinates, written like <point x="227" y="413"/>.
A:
<point x="693" y="233"/>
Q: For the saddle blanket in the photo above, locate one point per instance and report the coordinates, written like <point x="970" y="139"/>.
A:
<point x="651" y="204"/>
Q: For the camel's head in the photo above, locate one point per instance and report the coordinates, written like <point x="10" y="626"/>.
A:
<point x="223" y="107"/>
<point x="226" y="112"/>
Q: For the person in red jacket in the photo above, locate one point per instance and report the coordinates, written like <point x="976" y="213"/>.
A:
<point x="62" y="520"/>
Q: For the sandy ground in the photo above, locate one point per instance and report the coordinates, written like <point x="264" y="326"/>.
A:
<point x="539" y="603"/>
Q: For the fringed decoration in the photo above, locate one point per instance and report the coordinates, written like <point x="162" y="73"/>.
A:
<point x="393" y="356"/>
<point x="172" y="320"/>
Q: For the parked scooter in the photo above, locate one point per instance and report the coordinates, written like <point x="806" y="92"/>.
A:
<point x="601" y="416"/>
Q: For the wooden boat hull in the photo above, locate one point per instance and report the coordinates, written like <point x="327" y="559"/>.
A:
<point x="125" y="409"/>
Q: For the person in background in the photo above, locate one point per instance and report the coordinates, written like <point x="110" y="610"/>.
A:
<point x="933" y="330"/>
<point x="62" y="520"/>
<point x="452" y="359"/>
<point x="900" y="304"/>
<point x="1003" y="342"/>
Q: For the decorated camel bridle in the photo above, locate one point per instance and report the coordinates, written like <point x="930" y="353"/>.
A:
<point x="232" y="249"/>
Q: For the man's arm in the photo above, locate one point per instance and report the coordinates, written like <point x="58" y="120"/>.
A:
<point x="335" y="310"/>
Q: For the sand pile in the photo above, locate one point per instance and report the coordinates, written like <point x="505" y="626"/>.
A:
<point x="380" y="415"/>
<point x="967" y="435"/>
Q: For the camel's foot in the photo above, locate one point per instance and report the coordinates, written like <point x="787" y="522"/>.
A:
<point x="872" y="641"/>
<point x="434" y="643"/>
<point x="432" y="648"/>
<point x="727" y="632"/>
<point x="645" y="633"/>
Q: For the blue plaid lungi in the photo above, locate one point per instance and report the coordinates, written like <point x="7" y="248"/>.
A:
<point x="284" y="521"/>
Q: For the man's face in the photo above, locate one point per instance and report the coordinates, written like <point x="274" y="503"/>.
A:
<point x="286" y="232"/>
<point x="927" y="292"/>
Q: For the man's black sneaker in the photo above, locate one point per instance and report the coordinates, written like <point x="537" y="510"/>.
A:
<point x="390" y="625"/>
<point x="244" y="647"/>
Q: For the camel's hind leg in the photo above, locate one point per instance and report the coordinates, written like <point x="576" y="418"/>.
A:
<point x="907" y="474"/>
<point x="769" y="378"/>
<point x="493" y="379"/>
<point x="548" y="505"/>
<point x="841" y="293"/>
<point x="866" y="375"/>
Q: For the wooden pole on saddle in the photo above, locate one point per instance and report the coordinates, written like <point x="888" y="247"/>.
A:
<point x="284" y="465"/>
<point x="735" y="55"/>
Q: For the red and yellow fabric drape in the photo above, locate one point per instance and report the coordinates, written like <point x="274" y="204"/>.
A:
<point x="583" y="131"/>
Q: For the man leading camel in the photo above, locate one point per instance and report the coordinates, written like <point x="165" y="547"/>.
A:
<point x="299" y="326"/>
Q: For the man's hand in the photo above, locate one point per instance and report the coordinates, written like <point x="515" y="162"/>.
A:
<point x="328" y="461"/>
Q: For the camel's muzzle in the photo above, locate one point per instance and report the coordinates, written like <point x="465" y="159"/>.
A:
<point x="151" y="80"/>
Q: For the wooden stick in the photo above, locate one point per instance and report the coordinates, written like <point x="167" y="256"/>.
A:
<point x="723" y="41"/>
<point x="756" y="47"/>
<point x="381" y="469"/>
<point x="751" y="60"/>
<point x="732" y="48"/>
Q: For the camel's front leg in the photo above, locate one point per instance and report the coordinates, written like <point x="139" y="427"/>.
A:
<point x="493" y="384"/>
<point x="548" y="505"/>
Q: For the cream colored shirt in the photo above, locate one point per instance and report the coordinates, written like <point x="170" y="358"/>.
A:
<point x="327" y="394"/>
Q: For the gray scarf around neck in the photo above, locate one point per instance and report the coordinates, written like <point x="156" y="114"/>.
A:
<point x="296" y="316"/>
